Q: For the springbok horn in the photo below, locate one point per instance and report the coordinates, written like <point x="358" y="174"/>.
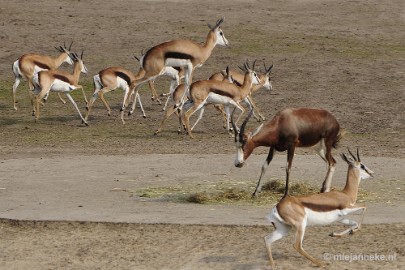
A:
<point x="269" y="69"/>
<point x="242" y="127"/>
<point x="219" y="22"/>
<point x="70" y="46"/>
<point x="136" y="58"/>
<point x="81" y="56"/>
<point x="358" y="155"/>
<point x="254" y="63"/>
<point x="235" y="129"/>
<point x="353" y="156"/>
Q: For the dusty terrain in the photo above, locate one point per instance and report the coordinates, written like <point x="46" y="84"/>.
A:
<point x="107" y="196"/>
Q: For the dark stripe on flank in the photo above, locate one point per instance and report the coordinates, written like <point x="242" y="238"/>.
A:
<point x="42" y="65"/>
<point x="123" y="76"/>
<point x="221" y="92"/>
<point x="178" y="55"/>
<point x="321" y="208"/>
<point x="62" y="78"/>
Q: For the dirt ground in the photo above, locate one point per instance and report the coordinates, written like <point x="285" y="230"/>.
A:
<point x="71" y="196"/>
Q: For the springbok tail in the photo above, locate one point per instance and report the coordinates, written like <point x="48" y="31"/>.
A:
<point x="141" y="74"/>
<point x="340" y="135"/>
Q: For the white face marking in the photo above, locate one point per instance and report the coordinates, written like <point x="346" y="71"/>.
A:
<point x="221" y="39"/>
<point x="84" y="68"/>
<point x="267" y="84"/>
<point x="68" y="60"/>
<point x="239" y="161"/>
<point x="365" y="172"/>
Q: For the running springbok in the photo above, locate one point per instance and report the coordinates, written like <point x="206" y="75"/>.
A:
<point x="218" y="92"/>
<point x="175" y="74"/>
<point x="108" y="80"/>
<point x="185" y="54"/>
<point x="319" y="209"/>
<point x="177" y="95"/>
<point x="237" y="78"/>
<point x="291" y="128"/>
<point x="58" y="81"/>
<point x="29" y="64"/>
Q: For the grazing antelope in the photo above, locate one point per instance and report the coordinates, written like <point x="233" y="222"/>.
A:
<point x="185" y="54"/>
<point x="218" y="92"/>
<point x="237" y="77"/>
<point x="29" y="64"/>
<point x="58" y="81"/>
<point x="291" y="128"/>
<point x="108" y="80"/>
<point x="319" y="209"/>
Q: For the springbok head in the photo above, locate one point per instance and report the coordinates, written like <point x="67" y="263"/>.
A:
<point x="265" y="77"/>
<point x="66" y="50"/>
<point x="219" y="34"/>
<point x="243" y="140"/>
<point x="355" y="162"/>
<point x="253" y="75"/>
<point x="76" y="58"/>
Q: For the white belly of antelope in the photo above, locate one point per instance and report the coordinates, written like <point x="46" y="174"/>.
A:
<point x="324" y="218"/>
<point x="219" y="99"/>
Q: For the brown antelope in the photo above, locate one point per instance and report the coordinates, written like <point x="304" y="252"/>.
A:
<point x="237" y="77"/>
<point x="29" y="64"/>
<point x="108" y="80"/>
<point x="319" y="209"/>
<point x="58" y="81"/>
<point x="291" y="128"/>
<point x="218" y="92"/>
<point x="175" y="73"/>
<point x="185" y="54"/>
<point x="177" y="95"/>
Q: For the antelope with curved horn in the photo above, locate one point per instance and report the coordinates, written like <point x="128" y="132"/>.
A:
<point x="319" y="209"/>
<point x="289" y="129"/>
<point x="29" y="64"/>
<point x="237" y="77"/>
<point x="218" y="92"/>
<point x="185" y="54"/>
<point x="58" y="81"/>
<point x="108" y="80"/>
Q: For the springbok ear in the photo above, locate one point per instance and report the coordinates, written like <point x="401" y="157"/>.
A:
<point x="254" y="133"/>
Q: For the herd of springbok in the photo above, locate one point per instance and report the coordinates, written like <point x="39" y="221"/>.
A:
<point x="226" y="90"/>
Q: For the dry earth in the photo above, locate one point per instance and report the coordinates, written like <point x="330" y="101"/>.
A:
<point x="73" y="197"/>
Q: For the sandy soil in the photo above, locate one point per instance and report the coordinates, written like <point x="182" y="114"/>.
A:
<point x="71" y="196"/>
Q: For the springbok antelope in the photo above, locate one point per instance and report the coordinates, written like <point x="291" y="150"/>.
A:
<point x="319" y="209"/>
<point x="29" y="64"/>
<point x="291" y="128"/>
<point x="175" y="74"/>
<point x="176" y="53"/>
<point x="58" y="81"/>
<point x="237" y="78"/>
<point x="108" y="80"/>
<point x="177" y="95"/>
<point x="218" y="92"/>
